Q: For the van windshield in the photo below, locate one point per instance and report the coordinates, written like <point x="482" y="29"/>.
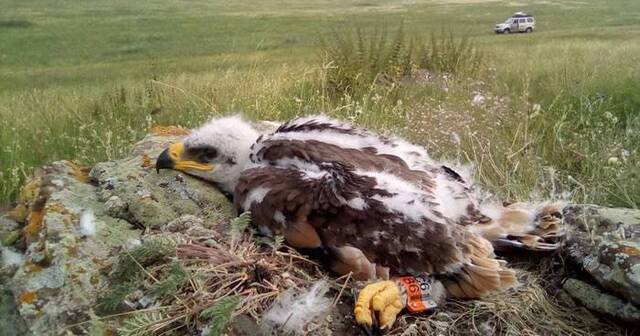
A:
<point x="509" y="21"/>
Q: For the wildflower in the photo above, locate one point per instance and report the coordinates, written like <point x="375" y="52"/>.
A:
<point x="613" y="161"/>
<point x="456" y="138"/>
<point x="478" y="99"/>
<point x="625" y="154"/>
<point x="609" y="116"/>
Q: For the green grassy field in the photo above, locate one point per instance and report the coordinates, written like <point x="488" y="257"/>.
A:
<point x="84" y="80"/>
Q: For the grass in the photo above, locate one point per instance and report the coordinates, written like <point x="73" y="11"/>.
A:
<point x="556" y="113"/>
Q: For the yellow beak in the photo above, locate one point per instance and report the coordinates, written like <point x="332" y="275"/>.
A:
<point x="174" y="158"/>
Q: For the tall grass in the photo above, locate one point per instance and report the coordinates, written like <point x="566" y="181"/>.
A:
<point x="358" y="59"/>
<point x="529" y="131"/>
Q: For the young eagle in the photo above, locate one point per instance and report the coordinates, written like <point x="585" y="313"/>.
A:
<point x="378" y="207"/>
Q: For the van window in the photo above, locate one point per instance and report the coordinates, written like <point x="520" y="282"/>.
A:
<point x="529" y="19"/>
<point x="521" y="21"/>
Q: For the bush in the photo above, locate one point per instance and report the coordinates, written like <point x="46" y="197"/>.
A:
<point x="356" y="60"/>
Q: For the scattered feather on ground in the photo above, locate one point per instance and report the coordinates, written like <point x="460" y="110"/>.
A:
<point x="295" y="309"/>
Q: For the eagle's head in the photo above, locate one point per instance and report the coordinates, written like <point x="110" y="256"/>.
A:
<point x="216" y="152"/>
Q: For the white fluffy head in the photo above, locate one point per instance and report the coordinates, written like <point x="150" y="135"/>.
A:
<point x="231" y="139"/>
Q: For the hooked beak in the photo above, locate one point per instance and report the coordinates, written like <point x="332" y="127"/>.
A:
<point x="173" y="158"/>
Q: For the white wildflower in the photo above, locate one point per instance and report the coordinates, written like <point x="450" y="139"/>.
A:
<point x="609" y="116"/>
<point x="625" y="154"/>
<point x="456" y="138"/>
<point x="478" y="99"/>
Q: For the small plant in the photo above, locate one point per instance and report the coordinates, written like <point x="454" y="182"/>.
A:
<point x="219" y="315"/>
<point x="114" y="299"/>
<point x="132" y="263"/>
<point x="446" y="54"/>
<point x="175" y="279"/>
<point x="240" y="223"/>
<point x="141" y="324"/>
<point x="129" y="271"/>
<point x="357" y="60"/>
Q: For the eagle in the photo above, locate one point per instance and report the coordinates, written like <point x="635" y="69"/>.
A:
<point x="374" y="206"/>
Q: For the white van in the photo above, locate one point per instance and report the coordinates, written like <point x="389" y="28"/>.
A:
<point x="518" y="23"/>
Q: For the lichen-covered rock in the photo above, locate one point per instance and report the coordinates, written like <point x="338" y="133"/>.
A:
<point x="73" y="223"/>
<point x="594" y="299"/>
<point x="62" y="270"/>
<point x="9" y="230"/>
<point x="605" y="243"/>
<point x="11" y="322"/>
<point x="145" y="198"/>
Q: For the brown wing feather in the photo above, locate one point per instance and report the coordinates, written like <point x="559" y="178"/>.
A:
<point x="384" y="237"/>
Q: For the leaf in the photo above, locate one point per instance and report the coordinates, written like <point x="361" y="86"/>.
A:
<point x="141" y="324"/>
<point x="274" y="242"/>
<point x="241" y="223"/>
<point x="113" y="300"/>
<point x="175" y="279"/>
<point x="150" y="252"/>
<point x="220" y="314"/>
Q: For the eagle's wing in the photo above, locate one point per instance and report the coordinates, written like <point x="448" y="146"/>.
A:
<point x="306" y="143"/>
<point x="352" y="216"/>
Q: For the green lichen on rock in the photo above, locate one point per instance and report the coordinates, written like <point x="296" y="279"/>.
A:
<point x="605" y="242"/>
<point x="146" y="198"/>
<point x="596" y="300"/>
<point x="11" y="322"/>
<point x="89" y="224"/>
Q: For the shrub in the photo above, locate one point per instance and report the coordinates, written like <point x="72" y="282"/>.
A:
<point x="357" y="60"/>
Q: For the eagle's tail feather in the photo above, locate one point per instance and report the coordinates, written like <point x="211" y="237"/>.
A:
<point x="519" y="225"/>
<point x="482" y="273"/>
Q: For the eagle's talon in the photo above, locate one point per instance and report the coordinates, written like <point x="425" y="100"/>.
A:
<point x="381" y="301"/>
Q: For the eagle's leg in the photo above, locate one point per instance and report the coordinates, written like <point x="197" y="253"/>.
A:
<point x="349" y="259"/>
<point x="382" y="301"/>
<point x="383" y="297"/>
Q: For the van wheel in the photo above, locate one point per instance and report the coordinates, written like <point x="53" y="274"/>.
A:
<point x="506" y="31"/>
<point x="528" y="30"/>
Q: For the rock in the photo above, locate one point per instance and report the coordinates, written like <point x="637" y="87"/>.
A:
<point x="73" y="223"/>
<point x="605" y="243"/>
<point x="11" y="322"/>
<point x="596" y="300"/>
<point x="8" y="230"/>
<point x="148" y="199"/>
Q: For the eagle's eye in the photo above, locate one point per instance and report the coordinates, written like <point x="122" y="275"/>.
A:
<point x="202" y="154"/>
<point x="208" y="154"/>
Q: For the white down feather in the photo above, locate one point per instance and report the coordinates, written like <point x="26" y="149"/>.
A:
<point x="294" y="310"/>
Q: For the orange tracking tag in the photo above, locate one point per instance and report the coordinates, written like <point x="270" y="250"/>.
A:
<point x="418" y="293"/>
